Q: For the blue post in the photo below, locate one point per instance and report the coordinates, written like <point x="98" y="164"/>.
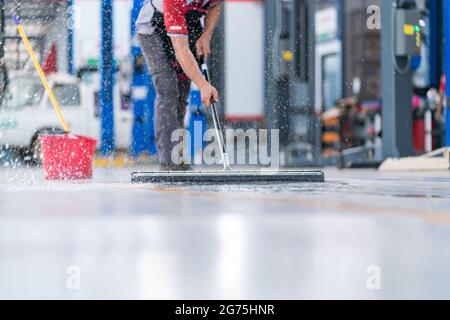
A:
<point x="70" y="39"/>
<point x="435" y="42"/>
<point x="143" y="96"/>
<point x="107" y="79"/>
<point x="447" y="67"/>
<point x="197" y="127"/>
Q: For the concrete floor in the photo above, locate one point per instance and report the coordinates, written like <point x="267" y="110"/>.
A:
<point x="269" y="242"/>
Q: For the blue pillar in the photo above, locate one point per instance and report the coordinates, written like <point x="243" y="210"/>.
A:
<point x="435" y="41"/>
<point x="70" y="39"/>
<point x="197" y="126"/>
<point x="447" y="66"/>
<point x="143" y="96"/>
<point x="107" y="79"/>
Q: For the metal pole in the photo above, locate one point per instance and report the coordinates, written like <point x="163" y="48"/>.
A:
<point x="107" y="79"/>
<point x="217" y="126"/>
<point x="2" y="29"/>
<point x="436" y="31"/>
<point x="70" y="38"/>
<point x="342" y="36"/>
<point x="397" y="90"/>
<point x="447" y="67"/>
<point x="3" y="75"/>
<point x="317" y="129"/>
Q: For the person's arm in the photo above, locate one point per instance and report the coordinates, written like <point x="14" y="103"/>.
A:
<point x="190" y="67"/>
<point x="177" y="30"/>
<point x="212" y="19"/>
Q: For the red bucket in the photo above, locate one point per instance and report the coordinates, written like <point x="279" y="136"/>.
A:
<point x="67" y="156"/>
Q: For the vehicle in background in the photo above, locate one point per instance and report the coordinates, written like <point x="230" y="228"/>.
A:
<point x="26" y="112"/>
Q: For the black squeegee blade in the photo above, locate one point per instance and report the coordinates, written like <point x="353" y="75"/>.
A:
<point x="228" y="177"/>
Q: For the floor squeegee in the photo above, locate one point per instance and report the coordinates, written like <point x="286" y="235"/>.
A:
<point x="227" y="175"/>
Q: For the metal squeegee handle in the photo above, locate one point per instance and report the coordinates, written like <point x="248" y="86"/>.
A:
<point x="216" y="120"/>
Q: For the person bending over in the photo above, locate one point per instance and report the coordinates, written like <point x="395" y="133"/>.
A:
<point x="173" y="39"/>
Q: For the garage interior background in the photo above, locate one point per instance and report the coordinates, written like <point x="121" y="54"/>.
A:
<point x="351" y="96"/>
<point x="314" y="70"/>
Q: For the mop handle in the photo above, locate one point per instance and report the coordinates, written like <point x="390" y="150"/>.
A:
<point x="41" y="74"/>
<point x="216" y="120"/>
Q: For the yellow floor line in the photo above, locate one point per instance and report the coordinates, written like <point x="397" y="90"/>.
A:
<point x="120" y="160"/>
<point x="115" y="162"/>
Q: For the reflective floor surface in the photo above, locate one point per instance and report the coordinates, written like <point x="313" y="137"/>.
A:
<point x="362" y="234"/>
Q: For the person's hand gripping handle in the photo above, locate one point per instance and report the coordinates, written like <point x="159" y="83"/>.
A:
<point x="216" y="120"/>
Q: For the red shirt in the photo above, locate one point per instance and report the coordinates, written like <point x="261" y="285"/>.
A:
<point x="175" y="13"/>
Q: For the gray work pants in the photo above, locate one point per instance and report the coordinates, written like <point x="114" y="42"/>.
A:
<point x="171" y="95"/>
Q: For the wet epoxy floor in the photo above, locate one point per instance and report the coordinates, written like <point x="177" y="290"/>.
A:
<point x="362" y="234"/>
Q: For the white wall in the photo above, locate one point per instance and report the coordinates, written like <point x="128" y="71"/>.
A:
<point x="87" y="30"/>
<point x="244" y="59"/>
